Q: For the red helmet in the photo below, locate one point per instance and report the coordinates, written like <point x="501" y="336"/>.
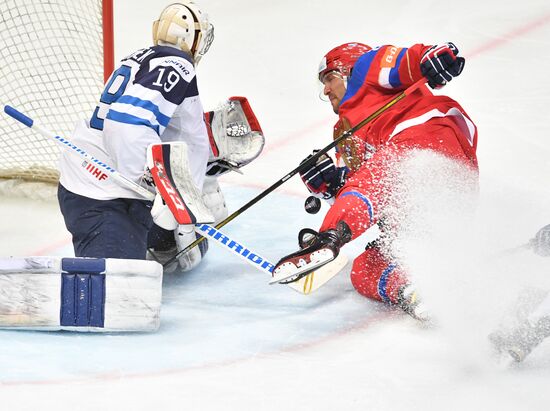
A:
<point x="342" y="59"/>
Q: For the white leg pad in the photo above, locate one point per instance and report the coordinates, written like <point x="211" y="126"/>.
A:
<point x="80" y="294"/>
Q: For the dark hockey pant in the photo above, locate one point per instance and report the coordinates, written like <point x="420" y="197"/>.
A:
<point x="106" y="228"/>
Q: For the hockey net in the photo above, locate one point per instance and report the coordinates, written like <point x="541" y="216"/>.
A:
<point x="55" y="56"/>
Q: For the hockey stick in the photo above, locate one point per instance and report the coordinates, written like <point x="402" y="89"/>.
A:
<point x="307" y="163"/>
<point x="304" y="285"/>
<point x="219" y="238"/>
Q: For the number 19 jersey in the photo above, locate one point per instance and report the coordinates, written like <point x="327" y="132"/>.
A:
<point x="151" y="97"/>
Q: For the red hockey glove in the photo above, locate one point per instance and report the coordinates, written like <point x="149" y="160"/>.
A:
<point x="322" y="178"/>
<point x="440" y="64"/>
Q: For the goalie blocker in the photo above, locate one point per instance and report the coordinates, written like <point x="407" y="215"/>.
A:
<point x="80" y="294"/>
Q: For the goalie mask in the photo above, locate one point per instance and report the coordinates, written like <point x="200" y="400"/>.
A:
<point x="185" y="26"/>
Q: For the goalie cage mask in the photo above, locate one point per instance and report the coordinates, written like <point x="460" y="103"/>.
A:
<point x="185" y="26"/>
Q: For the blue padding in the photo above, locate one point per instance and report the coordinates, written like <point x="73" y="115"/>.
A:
<point x="83" y="292"/>
<point x="68" y="308"/>
<point x="82" y="297"/>
<point x="83" y="265"/>
<point x="97" y="303"/>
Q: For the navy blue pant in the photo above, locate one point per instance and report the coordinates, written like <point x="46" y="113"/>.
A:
<point x="106" y="228"/>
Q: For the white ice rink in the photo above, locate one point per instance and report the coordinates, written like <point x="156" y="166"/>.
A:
<point x="228" y="340"/>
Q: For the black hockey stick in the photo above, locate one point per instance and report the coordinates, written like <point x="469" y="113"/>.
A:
<point x="305" y="164"/>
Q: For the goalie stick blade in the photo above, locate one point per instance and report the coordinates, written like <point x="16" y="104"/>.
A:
<point x="311" y="282"/>
<point x="296" y="268"/>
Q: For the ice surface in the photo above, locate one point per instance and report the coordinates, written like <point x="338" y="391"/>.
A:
<point x="228" y="340"/>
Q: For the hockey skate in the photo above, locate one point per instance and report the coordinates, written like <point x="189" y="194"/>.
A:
<point x="408" y="301"/>
<point x="316" y="250"/>
<point x="163" y="257"/>
<point x="519" y="342"/>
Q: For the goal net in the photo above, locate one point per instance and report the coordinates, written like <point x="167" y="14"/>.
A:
<point x="54" y="57"/>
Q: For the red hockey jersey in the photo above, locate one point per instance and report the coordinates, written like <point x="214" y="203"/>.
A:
<point x="377" y="77"/>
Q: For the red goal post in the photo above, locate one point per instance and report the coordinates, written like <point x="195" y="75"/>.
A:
<point x="56" y="56"/>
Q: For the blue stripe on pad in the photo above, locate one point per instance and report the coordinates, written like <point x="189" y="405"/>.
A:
<point x="82" y="292"/>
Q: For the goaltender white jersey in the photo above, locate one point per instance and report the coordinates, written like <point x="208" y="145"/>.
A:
<point x="151" y="97"/>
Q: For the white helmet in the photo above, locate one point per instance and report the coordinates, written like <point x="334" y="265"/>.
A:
<point x="185" y="26"/>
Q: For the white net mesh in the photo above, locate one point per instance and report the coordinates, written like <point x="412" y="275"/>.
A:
<point x="51" y="54"/>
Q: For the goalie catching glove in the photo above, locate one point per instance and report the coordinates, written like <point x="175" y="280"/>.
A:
<point x="236" y="137"/>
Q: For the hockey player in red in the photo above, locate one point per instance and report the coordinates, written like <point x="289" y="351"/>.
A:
<point x="357" y="80"/>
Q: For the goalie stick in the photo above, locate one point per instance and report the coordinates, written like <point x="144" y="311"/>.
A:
<point x="311" y="160"/>
<point x="304" y="284"/>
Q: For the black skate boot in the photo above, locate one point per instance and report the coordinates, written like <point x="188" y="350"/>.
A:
<point x="316" y="250"/>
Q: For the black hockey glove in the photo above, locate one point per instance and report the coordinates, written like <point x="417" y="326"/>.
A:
<point x="217" y="168"/>
<point x="322" y="178"/>
<point x="440" y="64"/>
